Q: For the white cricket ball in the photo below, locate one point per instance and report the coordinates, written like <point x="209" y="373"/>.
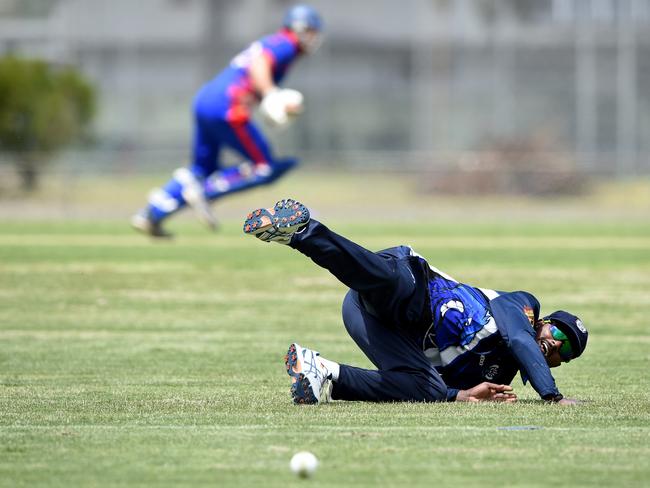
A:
<point x="304" y="464"/>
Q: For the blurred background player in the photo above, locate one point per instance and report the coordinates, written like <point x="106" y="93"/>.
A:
<point x="222" y="118"/>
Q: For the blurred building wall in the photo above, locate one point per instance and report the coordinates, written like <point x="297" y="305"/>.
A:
<point x="420" y="82"/>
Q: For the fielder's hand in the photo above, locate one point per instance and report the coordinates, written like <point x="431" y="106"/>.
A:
<point x="487" y="392"/>
<point x="568" y="401"/>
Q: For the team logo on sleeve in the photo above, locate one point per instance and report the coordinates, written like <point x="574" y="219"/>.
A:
<point x="530" y="314"/>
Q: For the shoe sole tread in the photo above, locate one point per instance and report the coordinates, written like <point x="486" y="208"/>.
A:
<point x="285" y="218"/>
<point x="301" y="390"/>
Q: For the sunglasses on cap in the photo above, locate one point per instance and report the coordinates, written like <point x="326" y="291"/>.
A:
<point x="566" y="353"/>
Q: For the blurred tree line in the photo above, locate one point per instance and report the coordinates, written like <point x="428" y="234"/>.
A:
<point x="43" y="108"/>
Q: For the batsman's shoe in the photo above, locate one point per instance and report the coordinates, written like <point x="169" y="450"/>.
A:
<point x="311" y="382"/>
<point x="201" y="207"/>
<point x="142" y="223"/>
<point x="194" y="195"/>
<point x="278" y="223"/>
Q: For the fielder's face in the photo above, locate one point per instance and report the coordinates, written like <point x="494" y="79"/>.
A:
<point x="549" y="345"/>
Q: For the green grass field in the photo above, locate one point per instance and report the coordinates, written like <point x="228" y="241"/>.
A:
<point x="127" y="362"/>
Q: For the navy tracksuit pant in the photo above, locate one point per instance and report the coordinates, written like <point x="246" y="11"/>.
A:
<point x="386" y="312"/>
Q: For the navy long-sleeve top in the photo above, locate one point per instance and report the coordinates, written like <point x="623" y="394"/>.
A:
<point x="484" y="335"/>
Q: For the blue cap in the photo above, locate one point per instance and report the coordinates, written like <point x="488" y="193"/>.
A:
<point x="572" y="328"/>
<point x="300" y="18"/>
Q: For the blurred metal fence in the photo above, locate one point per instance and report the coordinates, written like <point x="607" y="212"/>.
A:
<point x="414" y="83"/>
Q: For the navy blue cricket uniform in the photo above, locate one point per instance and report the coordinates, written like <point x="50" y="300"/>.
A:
<point x="427" y="334"/>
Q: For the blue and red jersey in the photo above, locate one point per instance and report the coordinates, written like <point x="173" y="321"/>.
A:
<point x="230" y="95"/>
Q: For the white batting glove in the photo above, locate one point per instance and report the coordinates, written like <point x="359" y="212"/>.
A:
<point x="293" y="102"/>
<point x="279" y="107"/>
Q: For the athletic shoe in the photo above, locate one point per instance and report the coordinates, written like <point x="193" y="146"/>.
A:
<point x="194" y="195"/>
<point x="142" y="223"/>
<point x="311" y="382"/>
<point x="279" y="223"/>
<point x="196" y="200"/>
